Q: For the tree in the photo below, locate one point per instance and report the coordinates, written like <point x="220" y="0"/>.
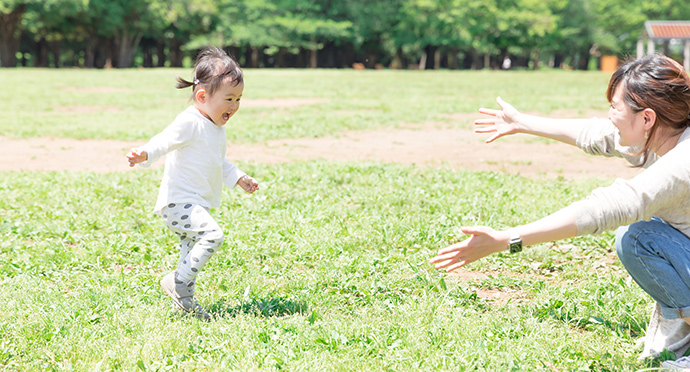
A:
<point x="174" y="23"/>
<point x="122" y="23"/>
<point x="50" y="22"/>
<point x="11" y="14"/>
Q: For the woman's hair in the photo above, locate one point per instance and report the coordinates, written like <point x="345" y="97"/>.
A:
<point x="659" y="83"/>
<point x="212" y="67"/>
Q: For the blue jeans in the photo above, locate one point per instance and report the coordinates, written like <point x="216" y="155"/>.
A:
<point x="657" y="256"/>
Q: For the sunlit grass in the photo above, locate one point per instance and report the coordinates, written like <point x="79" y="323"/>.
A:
<point x="136" y="104"/>
<point x="324" y="269"/>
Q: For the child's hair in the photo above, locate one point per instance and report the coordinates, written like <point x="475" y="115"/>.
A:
<point x="212" y="67"/>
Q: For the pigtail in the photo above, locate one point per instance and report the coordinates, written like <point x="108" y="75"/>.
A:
<point x="182" y="83"/>
<point x="213" y="66"/>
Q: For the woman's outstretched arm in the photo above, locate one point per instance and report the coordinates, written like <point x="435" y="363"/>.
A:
<point x="484" y="241"/>
<point x="508" y="120"/>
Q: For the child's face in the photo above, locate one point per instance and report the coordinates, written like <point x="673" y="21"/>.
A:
<point x="223" y="104"/>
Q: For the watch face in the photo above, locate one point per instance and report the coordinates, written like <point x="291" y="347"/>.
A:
<point x="516" y="246"/>
<point x="515" y="243"/>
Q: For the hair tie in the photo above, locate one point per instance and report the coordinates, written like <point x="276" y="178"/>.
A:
<point x="195" y="81"/>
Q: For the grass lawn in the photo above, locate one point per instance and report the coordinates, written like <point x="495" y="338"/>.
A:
<point x="325" y="268"/>
<point x="135" y="104"/>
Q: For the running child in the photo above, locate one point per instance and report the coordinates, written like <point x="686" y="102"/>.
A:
<point x="196" y="169"/>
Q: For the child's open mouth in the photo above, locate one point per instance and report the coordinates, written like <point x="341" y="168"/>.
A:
<point x="226" y="116"/>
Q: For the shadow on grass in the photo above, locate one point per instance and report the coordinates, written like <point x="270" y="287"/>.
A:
<point x="265" y="307"/>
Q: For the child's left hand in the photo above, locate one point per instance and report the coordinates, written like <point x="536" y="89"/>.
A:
<point x="248" y="184"/>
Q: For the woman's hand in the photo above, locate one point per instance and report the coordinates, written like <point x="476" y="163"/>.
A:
<point x="482" y="242"/>
<point x="503" y="122"/>
<point x="248" y="184"/>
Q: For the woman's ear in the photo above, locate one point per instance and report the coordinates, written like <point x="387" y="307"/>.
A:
<point x="649" y="118"/>
<point x="200" y="95"/>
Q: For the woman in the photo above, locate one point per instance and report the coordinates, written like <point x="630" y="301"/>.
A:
<point x="648" y="125"/>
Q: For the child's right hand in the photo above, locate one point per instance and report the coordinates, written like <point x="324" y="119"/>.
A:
<point x="137" y="156"/>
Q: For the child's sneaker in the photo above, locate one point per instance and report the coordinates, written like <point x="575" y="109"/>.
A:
<point x="680" y="364"/>
<point x="183" y="296"/>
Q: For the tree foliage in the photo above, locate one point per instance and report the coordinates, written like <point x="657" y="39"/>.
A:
<point x="326" y="33"/>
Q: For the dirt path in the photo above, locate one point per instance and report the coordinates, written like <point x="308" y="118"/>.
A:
<point x="431" y="146"/>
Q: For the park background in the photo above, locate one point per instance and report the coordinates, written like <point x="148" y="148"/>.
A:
<point x="326" y="267"/>
<point x="421" y="34"/>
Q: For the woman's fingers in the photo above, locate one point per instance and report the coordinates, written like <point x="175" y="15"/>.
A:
<point x="487" y="121"/>
<point x="485" y="130"/>
<point x="491" y="112"/>
<point x="493" y="138"/>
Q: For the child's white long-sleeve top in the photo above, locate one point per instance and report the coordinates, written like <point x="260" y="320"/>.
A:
<point x="662" y="190"/>
<point x="195" y="166"/>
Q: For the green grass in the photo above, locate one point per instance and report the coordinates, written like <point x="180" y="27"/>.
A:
<point x="137" y="104"/>
<point x="325" y="268"/>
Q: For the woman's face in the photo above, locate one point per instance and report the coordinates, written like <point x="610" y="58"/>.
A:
<point x="631" y="125"/>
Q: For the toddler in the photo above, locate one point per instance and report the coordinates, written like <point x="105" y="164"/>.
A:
<point x="195" y="170"/>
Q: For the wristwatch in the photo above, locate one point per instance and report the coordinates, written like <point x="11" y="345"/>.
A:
<point x="515" y="242"/>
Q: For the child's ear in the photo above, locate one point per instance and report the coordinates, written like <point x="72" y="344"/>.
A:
<point x="200" y="95"/>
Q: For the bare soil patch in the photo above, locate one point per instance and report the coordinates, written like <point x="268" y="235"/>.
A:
<point x="432" y="145"/>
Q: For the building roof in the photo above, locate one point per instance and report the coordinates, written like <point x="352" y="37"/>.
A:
<point x="668" y="29"/>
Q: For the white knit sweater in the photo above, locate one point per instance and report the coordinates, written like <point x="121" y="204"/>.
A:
<point x="662" y="190"/>
<point x="195" y="165"/>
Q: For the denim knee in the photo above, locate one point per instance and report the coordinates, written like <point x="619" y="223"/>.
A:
<point x="628" y="237"/>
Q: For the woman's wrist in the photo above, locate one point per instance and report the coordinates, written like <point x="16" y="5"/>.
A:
<point x="522" y="122"/>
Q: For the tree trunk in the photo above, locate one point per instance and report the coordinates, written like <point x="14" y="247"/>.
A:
<point x="41" y="53"/>
<point x="299" y="59"/>
<point x="396" y="63"/>
<point x="280" y="57"/>
<point x="9" y="35"/>
<point x="422" y="61"/>
<point x="536" y="60"/>
<point x="453" y="59"/>
<point x="255" y="57"/>
<point x="110" y="54"/>
<point x="175" y="53"/>
<point x="348" y="56"/>
<point x="127" y="45"/>
<point x="584" y="60"/>
<point x="55" y="48"/>
<point x="313" y="55"/>
<point x="148" y="56"/>
<point x="160" y="53"/>
<point x="90" y="53"/>
<point x="437" y="59"/>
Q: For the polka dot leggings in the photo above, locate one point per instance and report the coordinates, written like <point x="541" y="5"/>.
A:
<point x="200" y="236"/>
